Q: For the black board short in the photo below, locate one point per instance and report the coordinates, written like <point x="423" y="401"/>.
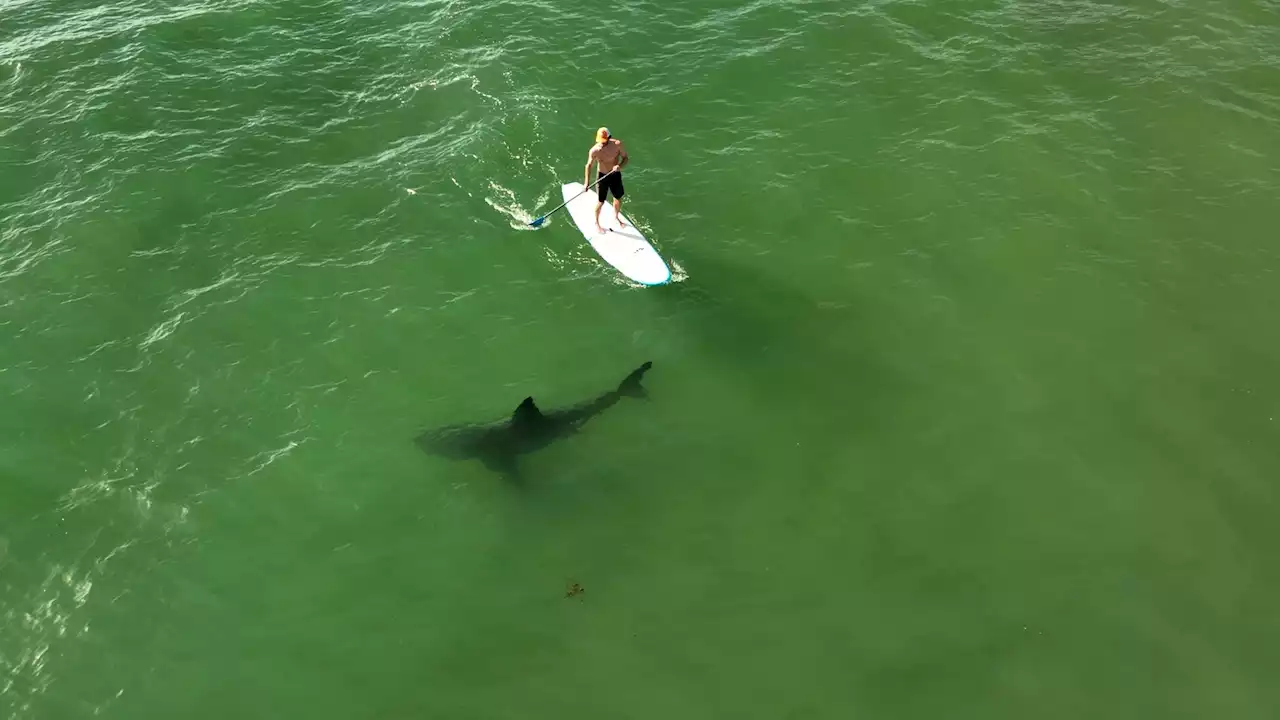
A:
<point x="611" y="184"/>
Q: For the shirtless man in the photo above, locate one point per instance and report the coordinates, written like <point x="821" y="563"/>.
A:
<point x="608" y="152"/>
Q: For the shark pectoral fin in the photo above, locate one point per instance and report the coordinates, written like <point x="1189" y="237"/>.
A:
<point x="526" y="412"/>
<point x="502" y="464"/>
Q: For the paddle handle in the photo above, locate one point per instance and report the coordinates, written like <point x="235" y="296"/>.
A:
<point x="575" y="197"/>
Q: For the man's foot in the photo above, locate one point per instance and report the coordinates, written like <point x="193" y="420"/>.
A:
<point x="599" y="229"/>
<point x="620" y="222"/>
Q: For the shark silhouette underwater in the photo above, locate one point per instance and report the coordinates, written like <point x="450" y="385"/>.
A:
<point x="499" y="444"/>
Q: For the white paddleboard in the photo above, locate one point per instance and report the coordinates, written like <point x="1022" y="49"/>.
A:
<point x="622" y="247"/>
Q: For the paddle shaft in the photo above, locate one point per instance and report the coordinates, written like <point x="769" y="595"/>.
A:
<point x="575" y="197"/>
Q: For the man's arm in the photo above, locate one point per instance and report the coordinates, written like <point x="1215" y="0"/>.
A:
<point x="623" y="157"/>
<point x="586" y="174"/>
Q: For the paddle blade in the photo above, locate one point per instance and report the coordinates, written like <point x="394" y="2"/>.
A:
<point x="538" y="222"/>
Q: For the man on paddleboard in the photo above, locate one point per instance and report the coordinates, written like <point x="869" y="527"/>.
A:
<point x="609" y="157"/>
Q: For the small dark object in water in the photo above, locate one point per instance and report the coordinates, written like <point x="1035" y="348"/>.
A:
<point x="575" y="590"/>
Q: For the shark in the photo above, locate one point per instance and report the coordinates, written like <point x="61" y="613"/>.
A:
<point x="499" y="444"/>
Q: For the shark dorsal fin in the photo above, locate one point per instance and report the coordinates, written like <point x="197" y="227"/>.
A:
<point x="526" y="412"/>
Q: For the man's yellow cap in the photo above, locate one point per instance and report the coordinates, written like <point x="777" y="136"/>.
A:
<point x="602" y="134"/>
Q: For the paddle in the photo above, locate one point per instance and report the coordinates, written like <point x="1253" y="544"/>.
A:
<point x="539" y="221"/>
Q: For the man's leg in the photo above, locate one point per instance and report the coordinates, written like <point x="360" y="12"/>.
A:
<point x="618" y="192"/>
<point x="599" y="200"/>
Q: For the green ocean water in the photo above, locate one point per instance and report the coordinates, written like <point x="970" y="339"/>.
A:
<point x="963" y="400"/>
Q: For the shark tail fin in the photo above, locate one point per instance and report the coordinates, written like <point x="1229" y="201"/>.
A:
<point x="630" y="385"/>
